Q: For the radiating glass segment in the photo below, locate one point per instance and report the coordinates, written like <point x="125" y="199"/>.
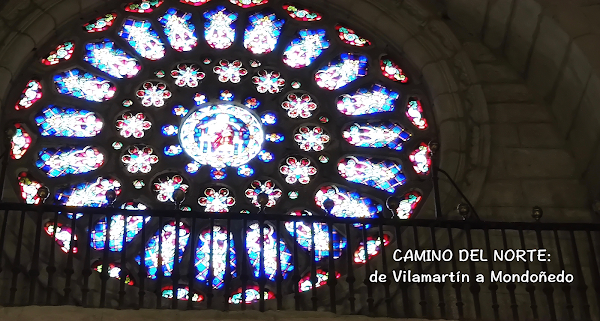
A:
<point x="68" y="122"/>
<point x="305" y="284"/>
<point x="29" y="188"/>
<point x="414" y="112"/>
<point x="194" y="2"/>
<point x="421" y="159"/>
<point x="216" y="201"/>
<point x="378" y="99"/>
<point x="342" y="71"/>
<point x="117" y="229"/>
<point x="248" y="3"/>
<point x="183" y="294"/>
<point x="57" y="162"/>
<point x="165" y="187"/>
<point x="297" y="170"/>
<point x="62" y="236"/>
<point x="301" y="232"/>
<point x="31" y="94"/>
<point x="108" y="57"/>
<point x="63" y="52"/>
<point x="83" y="85"/>
<point x="101" y="23"/>
<point x="20" y="142"/>
<point x="347" y="203"/>
<point x="305" y="49"/>
<point x="114" y="271"/>
<point x="374" y="246"/>
<point x="219" y="255"/>
<point x="385" y="175"/>
<point x="376" y="135"/>
<point x="408" y="204"/>
<point x="166" y="247"/>
<point x="267" y="187"/>
<point x="130" y="125"/>
<point x="391" y="70"/>
<point x="252" y="293"/>
<point x="302" y="14"/>
<point x="274" y="138"/>
<point x="142" y="37"/>
<point x="139" y="159"/>
<point x="187" y="75"/>
<point x="143" y="6"/>
<point x="299" y="105"/>
<point x="180" y="31"/>
<point x="219" y="28"/>
<point x="350" y="37"/>
<point x="262" y="33"/>
<point x="92" y="193"/>
<point x="269" y="248"/>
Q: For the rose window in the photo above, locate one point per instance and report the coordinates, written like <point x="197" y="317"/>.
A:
<point x="222" y="101"/>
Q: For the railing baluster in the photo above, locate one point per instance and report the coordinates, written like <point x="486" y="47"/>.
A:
<point x="123" y="273"/>
<point x="244" y="264"/>
<point x="159" y="268"/>
<point x="493" y="286"/>
<point x="421" y="285"/>
<point x="530" y="287"/>
<point x="51" y="268"/>
<point x="457" y="285"/>
<point x="69" y="268"/>
<point x="474" y="286"/>
<point x="142" y="273"/>
<point x="191" y="264"/>
<point x="3" y="236"/>
<point x="439" y="286"/>
<point x="16" y="270"/>
<point x="548" y="289"/>
<point x="210" y="276"/>
<point x="175" y="272"/>
<point x="367" y="282"/>
<point x="279" y="272"/>
<point x="331" y="276"/>
<point x="582" y="287"/>
<point x="350" y="277"/>
<point x="87" y="268"/>
<point x="104" y="273"/>
<point x="313" y="268"/>
<point x="296" y="277"/>
<point x="227" y="277"/>
<point x="262" y="277"/>
<point x="566" y="286"/>
<point x="510" y="286"/>
<point x="34" y="272"/>
<point x="596" y="273"/>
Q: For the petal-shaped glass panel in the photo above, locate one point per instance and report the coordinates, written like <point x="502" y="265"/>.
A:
<point x="346" y="203"/>
<point x="107" y="57"/>
<point x="269" y="247"/>
<point x="92" y="194"/>
<point x="350" y="37"/>
<point x="378" y="99"/>
<point x="421" y="159"/>
<point x="183" y="293"/>
<point x="63" y="52"/>
<point x="56" y="162"/>
<point x="101" y="23"/>
<point x="252" y="293"/>
<point x="303" y="51"/>
<point x="302" y="14"/>
<point x="62" y="236"/>
<point x="305" y="284"/>
<point x="216" y="201"/>
<point x="408" y="204"/>
<point x="262" y="33"/>
<point x="391" y="70"/>
<point x="376" y="135"/>
<point x="143" y="6"/>
<point x="68" y="122"/>
<point x="165" y="187"/>
<point x="414" y="112"/>
<point x="219" y="30"/>
<point x="342" y="71"/>
<point x="248" y="3"/>
<point x="194" y="2"/>
<point x="31" y="94"/>
<point x="114" y="271"/>
<point x="301" y="232"/>
<point x="83" y="85"/>
<point x="143" y="38"/>
<point x="219" y="256"/>
<point x="374" y="245"/>
<point x="167" y="248"/>
<point x="117" y="228"/>
<point x="381" y="174"/>
<point x="180" y="31"/>
<point x="20" y="142"/>
<point x="29" y="188"/>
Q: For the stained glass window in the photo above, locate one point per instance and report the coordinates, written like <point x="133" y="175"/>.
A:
<point x="267" y="245"/>
<point x="374" y="245"/>
<point x="219" y="256"/>
<point x="305" y="284"/>
<point x="62" y="234"/>
<point x="252" y="293"/>
<point x="114" y="271"/>
<point x="153" y="96"/>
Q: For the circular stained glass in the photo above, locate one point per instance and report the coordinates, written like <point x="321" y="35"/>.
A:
<point x="221" y="135"/>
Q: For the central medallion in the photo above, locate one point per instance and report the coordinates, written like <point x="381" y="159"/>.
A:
<point x="221" y="135"/>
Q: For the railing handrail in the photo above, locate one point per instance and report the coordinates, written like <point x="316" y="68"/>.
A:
<point x="416" y="222"/>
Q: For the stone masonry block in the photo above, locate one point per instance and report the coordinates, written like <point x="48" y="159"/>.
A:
<point x="468" y="13"/>
<point x="501" y="93"/>
<point x="5" y="82"/>
<point x="41" y="28"/>
<point x="15" y="53"/>
<point x="531" y="163"/>
<point x="418" y="54"/>
<point x="556" y="193"/>
<point x="584" y="133"/>
<point x="540" y="136"/>
<point x="518" y="113"/>
<point x="505" y="135"/>
<point x="495" y="29"/>
<point x="439" y="78"/>
<point x="502" y="193"/>
<point x="496" y="73"/>
<point x="63" y="12"/>
<point x="521" y="31"/>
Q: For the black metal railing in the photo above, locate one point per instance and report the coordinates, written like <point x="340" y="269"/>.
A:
<point x="37" y="270"/>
